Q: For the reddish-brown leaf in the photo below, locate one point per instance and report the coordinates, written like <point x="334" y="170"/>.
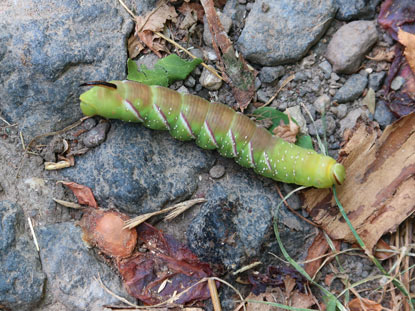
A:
<point x="83" y="193"/>
<point x="289" y="131"/>
<point x="168" y="267"/>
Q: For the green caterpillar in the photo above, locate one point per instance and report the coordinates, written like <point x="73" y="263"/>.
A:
<point x="213" y="126"/>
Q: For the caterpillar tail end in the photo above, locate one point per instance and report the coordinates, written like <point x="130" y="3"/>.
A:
<point x="338" y="173"/>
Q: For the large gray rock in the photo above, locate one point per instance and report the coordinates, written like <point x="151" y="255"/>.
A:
<point x="72" y="270"/>
<point x="235" y="223"/>
<point x="21" y="276"/>
<point x="281" y="34"/>
<point x="140" y="169"/>
<point x="48" y="48"/>
<point x="350" y="44"/>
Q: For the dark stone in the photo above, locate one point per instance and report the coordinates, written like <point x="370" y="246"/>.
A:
<point x="96" y="135"/>
<point x="352" y="89"/>
<point x="270" y="74"/>
<point x="72" y="269"/>
<point x="383" y="115"/>
<point x="237" y="219"/>
<point x="49" y="49"/>
<point x="356" y="9"/>
<point x="21" y="276"/>
<point x="140" y="169"/>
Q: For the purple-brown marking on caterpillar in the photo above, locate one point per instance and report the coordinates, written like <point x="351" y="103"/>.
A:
<point x="210" y="133"/>
<point x="235" y="151"/>
<point x="189" y="129"/>
<point x="163" y="117"/>
<point x="128" y="105"/>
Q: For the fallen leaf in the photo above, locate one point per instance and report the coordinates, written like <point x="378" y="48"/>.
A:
<point x="83" y="193"/>
<point x="370" y="100"/>
<point x="274" y="277"/>
<point x="154" y="21"/>
<point x="318" y="248"/>
<point x="104" y="229"/>
<point x="254" y="301"/>
<point x="363" y="304"/>
<point x="382" y="55"/>
<point x="378" y="192"/>
<point x="235" y="70"/>
<point x="289" y="131"/>
<point x="379" y="253"/>
<point x="396" y="16"/>
<point x="408" y="40"/>
<point x="192" y="7"/>
<point x="145" y="273"/>
<point x="300" y="300"/>
<point x="329" y="278"/>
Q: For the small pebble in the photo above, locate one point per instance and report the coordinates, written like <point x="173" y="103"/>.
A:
<point x="397" y="83"/>
<point x="334" y="76"/>
<point x="352" y="89"/>
<point x="270" y="74"/>
<point x="89" y="123"/>
<point x="376" y="80"/>
<point x="341" y="111"/>
<point x="321" y="103"/>
<point x="326" y="68"/>
<point x="183" y="90"/>
<point x="217" y="171"/>
<point x="209" y="80"/>
<point x="190" y="82"/>
<point x="97" y="135"/>
<point x="383" y="115"/>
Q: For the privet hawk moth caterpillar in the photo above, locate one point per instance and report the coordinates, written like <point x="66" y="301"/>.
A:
<point x="213" y="126"/>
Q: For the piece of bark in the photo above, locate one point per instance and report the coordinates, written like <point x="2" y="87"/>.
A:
<point x="378" y="193"/>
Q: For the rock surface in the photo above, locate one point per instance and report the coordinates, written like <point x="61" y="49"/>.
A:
<point x="283" y="37"/>
<point x="21" y="277"/>
<point x="72" y="269"/>
<point x="350" y="44"/>
<point x="140" y="169"/>
<point x="356" y="9"/>
<point x="352" y="89"/>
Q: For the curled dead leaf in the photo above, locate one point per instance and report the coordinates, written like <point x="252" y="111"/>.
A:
<point x="83" y="193"/>
<point x="104" y="229"/>
<point x="362" y="304"/>
<point x="408" y="40"/>
<point x="289" y="131"/>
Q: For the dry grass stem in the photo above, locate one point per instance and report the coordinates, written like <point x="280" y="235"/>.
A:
<point x="32" y="231"/>
<point x="247" y="267"/>
<point x="284" y="83"/>
<point x="114" y="294"/>
<point x="214" y="295"/>
<point x="8" y="124"/>
<point x="52" y="166"/>
<point x="182" y="207"/>
<point x="22" y="140"/>
<point x="175" y="211"/>
<point x="68" y="204"/>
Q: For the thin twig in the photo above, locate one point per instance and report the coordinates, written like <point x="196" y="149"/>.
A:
<point x="294" y="211"/>
<point x="247" y="267"/>
<point x="182" y="207"/>
<point x="284" y="83"/>
<point x="33" y="233"/>
<point x="214" y="295"/>
<point x="114" y="294"/>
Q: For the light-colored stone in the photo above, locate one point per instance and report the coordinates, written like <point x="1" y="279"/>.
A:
<point x="350" y="44"/>
<point x="209" y="80"/>
<point x="296" y="113"/>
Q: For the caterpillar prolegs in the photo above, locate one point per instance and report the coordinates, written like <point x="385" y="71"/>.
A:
<point x="213" y="126"/>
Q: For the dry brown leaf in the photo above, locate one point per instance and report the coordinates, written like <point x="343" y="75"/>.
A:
<point x="289" y="284"/>
<point x="408" y="40"/>
<point x="383" y="55"/>
<point x="289" y="131"/>
<point x="135" y="46"/>
<point x="378" y="193"/>
<point x="318" y="248"/>
<point x="300" y="300"/>
<point x="277" y="295"/>
<point x="382" y="255"/>
<point x="154" y="21"/>
<point x="193" y="7"/>
<point x="83" y="193"/>
<point x="363" y="304"/>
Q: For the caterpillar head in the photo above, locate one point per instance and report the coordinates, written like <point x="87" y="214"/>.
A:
<point x="96" y="100"/>
<point x="338" y="173"/>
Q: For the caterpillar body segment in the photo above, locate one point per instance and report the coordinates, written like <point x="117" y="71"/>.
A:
<point x="213" y="126"/>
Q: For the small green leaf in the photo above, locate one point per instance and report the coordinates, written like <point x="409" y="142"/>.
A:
<point x="271" y="113"/>
<point x="304" y="141"/>
<point x="177" y="68"/>
<point x="166" y="70"/>
<point x="146" y="76"/>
